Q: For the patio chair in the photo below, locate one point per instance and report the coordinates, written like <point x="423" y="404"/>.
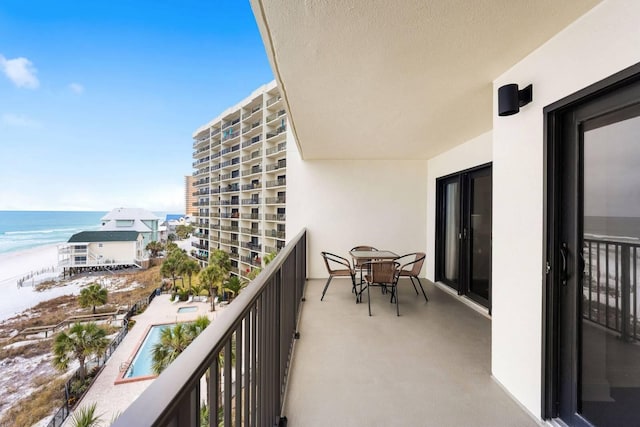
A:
<point x="383" y="273"/>
<point x="340" y="267"/>
<point x="356" y="263"/>
<point x="412" y="270"/>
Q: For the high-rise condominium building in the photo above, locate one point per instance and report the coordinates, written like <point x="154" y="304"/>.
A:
<point x="191" y="208"/>
<point x="240" y="181"/>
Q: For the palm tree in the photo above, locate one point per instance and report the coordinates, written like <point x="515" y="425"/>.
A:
<point x="269" y="257"/>
<point x="155" y="248"/>
<point x="93" y="295"/>
<point x="172" y="265"/>
<point x="189" y="267"/>
<point x="80" y="342"/>
<point x="173" y="341"/>
<point x="234" y="285"/>
<point x="220" y="258"/>
<point x="86" y="417"/>
<point x="213" y="276"/>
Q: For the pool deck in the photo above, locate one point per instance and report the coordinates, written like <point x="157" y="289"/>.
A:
<point x="112" y="399"/>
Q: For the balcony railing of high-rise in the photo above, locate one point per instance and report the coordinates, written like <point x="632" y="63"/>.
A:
<point x="610" y="285"/>
<point x="238" y="366"/>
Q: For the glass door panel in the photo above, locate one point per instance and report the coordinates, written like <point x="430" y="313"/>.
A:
<point x="609" y="354"/>
<point x="451" y="252"/>
<point x="480" y="234"/>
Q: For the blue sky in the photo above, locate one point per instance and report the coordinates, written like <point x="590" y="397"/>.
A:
<point x="99" y="99"/>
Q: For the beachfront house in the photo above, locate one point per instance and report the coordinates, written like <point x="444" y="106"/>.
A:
<point x="102" y="250"/>
<point x="499" y="137"/>
<point x="119" y="243"/>
<point x="132" y="219"/>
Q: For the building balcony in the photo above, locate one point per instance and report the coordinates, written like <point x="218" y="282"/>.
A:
<point x="231" y="228"/>
<point x="278" y="131"/>
<point x="275" y="233"/>
<point x="200" y="246"/>
<point x="255" y="201"/>
<point x="277" y="183"/>
<point x="255" y="186"/>
<point x="254" y="216"/>
<point x="230" y="136"/>
<point x="275" y="200"/>
<point x="255" y="155"/>
<point x="275" y="217"/>
<point x="252" y="231"/>
<point x="272" y="117"/>
<point x="410" y="370"/>
<point x="233" y="255"/>
<point x="232" y="242"/>
<point x="276" y="166"/>
<point x="252" y="246"/>
<point x="273" y="100"/>
<point x="253" y="170"/>
<point x="230" y="123"/>
<point x="252" y="141"/>
<point x="229" y="215"/>
<point x="277" y="149"/>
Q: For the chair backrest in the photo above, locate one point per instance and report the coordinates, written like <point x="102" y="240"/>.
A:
<point x="416" y="264"/>
<point x="329" y="257"/>
<point x="361" y="248"/>
<point x="384" y="271"/>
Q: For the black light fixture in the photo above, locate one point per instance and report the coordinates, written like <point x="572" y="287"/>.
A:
<point x="510" y="99"/>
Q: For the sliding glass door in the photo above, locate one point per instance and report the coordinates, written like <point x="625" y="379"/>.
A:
<point x="463" y="233"/>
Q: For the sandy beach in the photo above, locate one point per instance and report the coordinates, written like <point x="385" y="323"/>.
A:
<point x="16" y="265"/>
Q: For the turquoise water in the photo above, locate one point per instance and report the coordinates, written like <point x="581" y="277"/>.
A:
<point x="141" y="364"/>
<point x="189" y="309"/>
<point x="20" y="230"/>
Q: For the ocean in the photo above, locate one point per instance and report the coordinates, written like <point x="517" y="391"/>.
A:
<point x="20" y="230"/>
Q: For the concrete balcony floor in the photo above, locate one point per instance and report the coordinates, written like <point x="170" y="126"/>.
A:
<point x="428" y="367"/>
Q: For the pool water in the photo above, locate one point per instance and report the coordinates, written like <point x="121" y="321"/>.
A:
<point x="141" y="364"/>
<point x="189" y="309"/>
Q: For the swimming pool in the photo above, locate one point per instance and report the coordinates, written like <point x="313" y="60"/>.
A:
<point x="141" y="364"/>
<point x="188" y="309"/>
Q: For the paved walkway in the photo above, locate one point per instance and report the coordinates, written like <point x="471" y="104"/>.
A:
<point x="112" y="399"/>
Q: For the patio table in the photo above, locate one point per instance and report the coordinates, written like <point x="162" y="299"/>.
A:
<point x="365" y="256"/>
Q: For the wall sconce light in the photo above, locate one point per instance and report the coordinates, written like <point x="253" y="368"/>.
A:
<point x="510" y="99"/>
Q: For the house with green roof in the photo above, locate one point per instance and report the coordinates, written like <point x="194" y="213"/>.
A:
<point x="102" y="250"/>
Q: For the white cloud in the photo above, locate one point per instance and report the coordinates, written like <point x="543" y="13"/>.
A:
<point x="20" y="71"/>
<point x="20" y="121"/>
<point x="76" y="88"/>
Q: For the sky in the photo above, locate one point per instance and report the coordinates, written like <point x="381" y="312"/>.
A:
<point x="99" y="99"/>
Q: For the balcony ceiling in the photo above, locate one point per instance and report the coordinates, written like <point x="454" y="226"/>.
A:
<point x="379" y="79"/>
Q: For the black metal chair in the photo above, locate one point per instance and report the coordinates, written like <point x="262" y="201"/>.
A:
<point x="334" y="263"/>
<point x="384" y="273"/>
<point x="412" y="270"/>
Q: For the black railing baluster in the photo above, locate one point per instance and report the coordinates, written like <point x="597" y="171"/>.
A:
<point x="238" y="375"/>
<point x="598" y="281"/>
<point x="617" y="288"/>
<point x="606" y="285"/>
<point x="228" y="361"/>
<point x="590" y="245"/>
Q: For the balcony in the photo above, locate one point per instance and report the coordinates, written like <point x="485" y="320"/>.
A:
<point x="253" y="231"/>
<point x="273" y="100"/>
<point x="276" y="166"/>
<point x="277" y="149"/>
<point x="251" y="186"/>
<point x="233" y="242"/>
<point x="275" y="233"/>
<point x="253" y="170"/>
<point x="254" y="201"/>
<point x="232" y="228"/>
<point x="254" y="155"/>
<point x="425" y="375"/>
<point x="272" y="117"/>
<point x="252" y="141"/>
<point x="277" y="183"/>
<point x="255" y="216"/>
<point x="277" y="132"/>
<point x="252" y="246"/>
<point x="275" y="200"/>
<point x="275" y="217"/>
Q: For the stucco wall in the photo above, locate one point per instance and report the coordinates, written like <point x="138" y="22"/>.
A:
<point x="602" y="42"/>
<point x="114" y="251"/>
<point x="344" y="203"/>
<point x="472" y="153"/>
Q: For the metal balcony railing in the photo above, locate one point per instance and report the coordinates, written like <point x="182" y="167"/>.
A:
<point x="250" y="216"/>
<point x="251" y="141"/>
<point x="251" y="171"/>
<point x="275" y="233"/>
<point x="254" y="231"/>
<point x="275" y="217"/>
<point x="610" y="285"/>
<point x="276" y="166"/>
<point x="229" y="228"/>
<point x="273" y="100"/>
<point x="254" y="155"/>
<point x="274" y="116"/>
<point x="277" y="183"/>
<point x="251" y="186"/>
<point x="251" y="245"/>
<point x="255" y="201"/>
<point x="277" y="132"/>
<point x="275" y="200"/>
<point x="280" y="147"/>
